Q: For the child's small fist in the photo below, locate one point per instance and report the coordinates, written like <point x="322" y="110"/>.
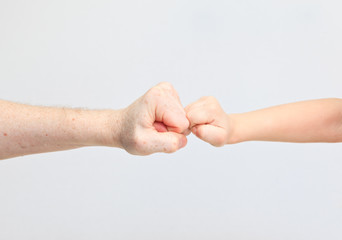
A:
<point x="208" y="121"/>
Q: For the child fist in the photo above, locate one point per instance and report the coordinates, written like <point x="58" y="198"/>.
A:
<point x="209" y="122"/>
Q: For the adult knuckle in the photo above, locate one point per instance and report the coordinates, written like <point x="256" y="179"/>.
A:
<point x="160" y="92"/>
<point x="139" y="144"/>
<point x="155" y="91"/>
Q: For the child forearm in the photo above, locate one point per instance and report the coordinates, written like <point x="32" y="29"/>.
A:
<point x="307" y="121"/>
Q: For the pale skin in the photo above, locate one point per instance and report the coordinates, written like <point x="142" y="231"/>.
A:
<point x="156" y="122"/>
<point x="301" y="122"/>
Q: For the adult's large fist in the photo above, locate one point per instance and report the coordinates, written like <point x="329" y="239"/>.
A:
<point x="209" y="122"/>
<point x="156" y="122"/>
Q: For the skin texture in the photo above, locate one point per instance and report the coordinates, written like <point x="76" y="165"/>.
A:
<point x="156" y="122"/>
<point x="208" y="121"/>
<point x="307" y="121"/>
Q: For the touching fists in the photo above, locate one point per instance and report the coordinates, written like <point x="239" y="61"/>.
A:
<point x="156" y="122"/>
<point x="208" y="121"/>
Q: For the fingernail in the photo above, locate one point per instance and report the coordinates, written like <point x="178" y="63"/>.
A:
<point x="194" y="130"/>
<point x="182" y="143"/>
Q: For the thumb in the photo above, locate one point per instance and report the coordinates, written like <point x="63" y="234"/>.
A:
<point x="214" y="135"/>
<point x="167" y="142"/>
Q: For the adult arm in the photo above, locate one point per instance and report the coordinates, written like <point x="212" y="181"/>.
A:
<point x="156" y="122"/>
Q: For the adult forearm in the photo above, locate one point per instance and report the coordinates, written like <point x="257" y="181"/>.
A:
<point x="155" y="122"/>
<point x="307" y="121"/>
<point x="28" y="129"/>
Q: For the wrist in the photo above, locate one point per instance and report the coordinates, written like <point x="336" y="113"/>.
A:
<point x="97" y="127"/>
<point x="234" y="135"/>
<point x="112" y="133"/>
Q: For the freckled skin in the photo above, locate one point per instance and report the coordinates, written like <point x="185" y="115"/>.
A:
<point x="43" y="129"/>
<point x="156" y="122"/>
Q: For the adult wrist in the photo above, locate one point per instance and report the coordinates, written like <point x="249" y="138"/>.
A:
<point x="113" y="128"/>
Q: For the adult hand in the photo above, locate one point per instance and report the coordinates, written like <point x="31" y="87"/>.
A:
<point x="156" y="122"/>
<point x="208" y="121"/>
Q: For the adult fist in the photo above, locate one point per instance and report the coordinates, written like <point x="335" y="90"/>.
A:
<point x="156" y="122"/>
<point x="208" y="121"/>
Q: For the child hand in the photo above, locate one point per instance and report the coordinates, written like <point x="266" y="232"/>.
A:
<point x="209" y="122"/>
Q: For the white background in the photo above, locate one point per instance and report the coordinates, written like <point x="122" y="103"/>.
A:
<point x="105" y="54"/>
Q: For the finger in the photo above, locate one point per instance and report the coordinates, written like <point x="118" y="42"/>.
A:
<point x="192" y="106"/>
<point x="199" y="116"/>
<point x="186" y="132"/>
<point x="172" y="114"/>
<point x="160" y="127"/>
<point x="166" y="86"/>
<point x="165" y="107"/>
<point x="189" y="107"/>
<point x="216" y="136"/>
<point x="198" y="104"/>
<point x="171" y="122"/>
<point x="167" y="142"/>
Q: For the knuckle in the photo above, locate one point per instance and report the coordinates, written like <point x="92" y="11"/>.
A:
<point x="212" y="108"/>
<point x="211" y="101"/>
<point x="211" y="98"/>
<point x="185" y="124"/>
<point x="208" y="98"/>
<point x="161" y="90"/>
<point x="166" y="85"/>
<point x="204" y="98"/>
<point x="168" y="90"/>
<point x="187" y="109"/>
<point x="190" y="116"/>
<point x="155" y="91"/>
<point x="200" y="133"/>
<point x="139" y="144"/>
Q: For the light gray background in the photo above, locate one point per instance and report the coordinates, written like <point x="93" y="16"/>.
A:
<point x="105" y="54"/>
